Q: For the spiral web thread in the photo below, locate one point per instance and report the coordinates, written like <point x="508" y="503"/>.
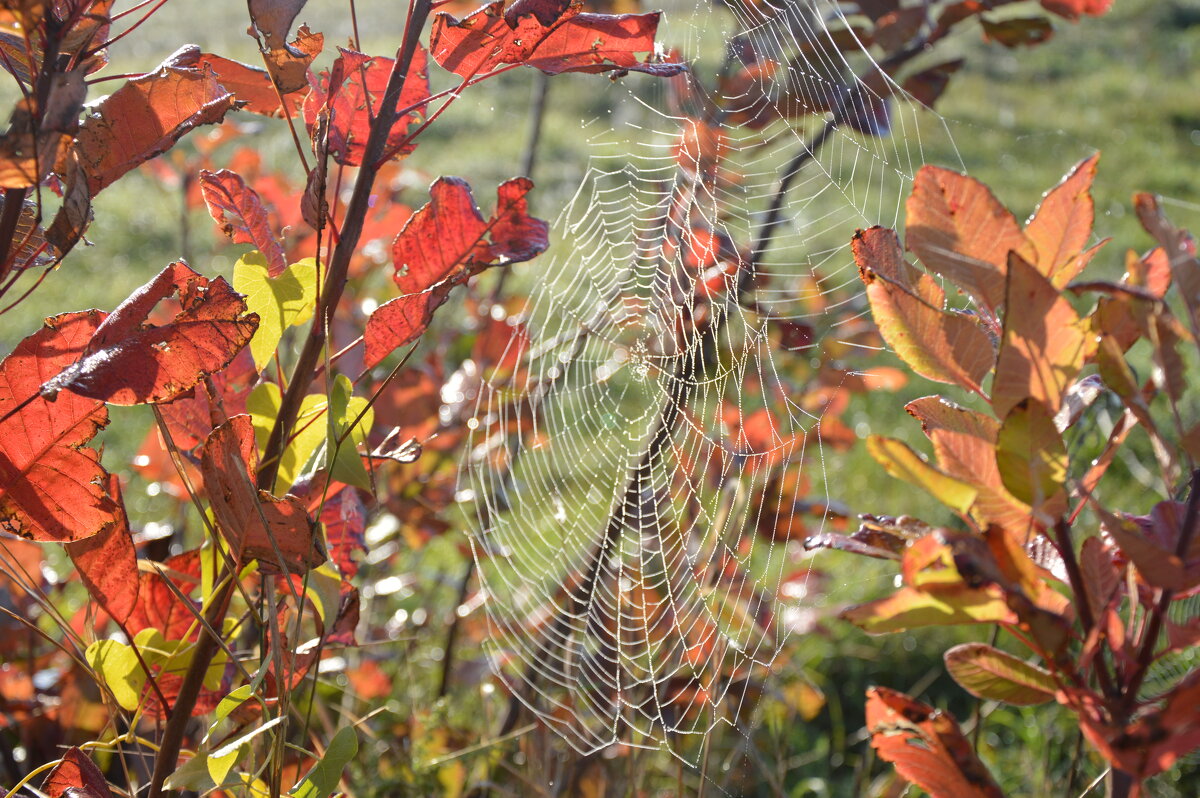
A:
<point x="612" y="501"/>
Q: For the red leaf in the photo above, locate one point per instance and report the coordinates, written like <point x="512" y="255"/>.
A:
<point x="1155" y="740"/>
<point x="251" y="86"/>
<point x="345" y="520"/>
<point x="129" y="361"/>
<point x="239" y="211"/>
<point x="442" y="245"/>
<point x="76" y="776"/>
<point x="500" y="346"/>
<point x="574" y="42"/>
<point x="147" y="115"/>
<point x="1150" y="542"/>
<point x="276" y="532"/>
<point x="961" y="231"/>
<point x="159" y="605"/>
<point x="926" y="86"/>
<point x="190" y="418"/>
<point x="107" y="562"/>
<point x="353" y="93"/>
<point x="926" y="746"/>
<point x="52" y="487"/>
<point x="449" y="239"/>
<point x="400" y="322"/>
<point x="1073" y="9"/>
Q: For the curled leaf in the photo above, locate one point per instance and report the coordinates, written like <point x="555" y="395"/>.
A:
<point x="239" y="212"/>
<point x="276" y="532"/>
<point x="573" y="42"/>
<point x="147" y="115"/>
<point x="902" y="462"/>
<point x="352" y="93"/>
<point x="130" y="361"/>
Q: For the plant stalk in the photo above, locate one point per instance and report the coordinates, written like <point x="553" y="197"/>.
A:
<point x="339" y="264"/>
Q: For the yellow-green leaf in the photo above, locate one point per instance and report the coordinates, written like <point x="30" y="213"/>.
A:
<point x="341" y="452"/>
<point x="903" y="463"/>
<point x="1032" y="458"/>
<point x="263" y="406"/>
<point x="987" y="672"/>
<point x="221" y="760"/>
<point x="323" y="779"/>
<point x="280" y="302"/>
<point x="117" y="664"/>
<point x="909" y="608"/>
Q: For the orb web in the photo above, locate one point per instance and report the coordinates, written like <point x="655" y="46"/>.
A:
<point x="643" y="427"/>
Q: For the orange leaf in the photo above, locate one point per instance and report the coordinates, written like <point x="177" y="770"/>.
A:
<point x="1044" y="342"/>
<point x="147" y="115"/>
<point x="964" y="442"/>
<point x="1062" y="225"/>
<point x="939" y="345"/>
<point x="926" y="746"/>
<point x="961" y="231"/>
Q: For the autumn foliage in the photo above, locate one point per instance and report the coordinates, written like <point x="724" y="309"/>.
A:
<point x="1039" y="553"/>
<point x="289" y="410"/>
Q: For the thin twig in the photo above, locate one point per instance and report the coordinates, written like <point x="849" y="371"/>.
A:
<point x="537" y="113"/>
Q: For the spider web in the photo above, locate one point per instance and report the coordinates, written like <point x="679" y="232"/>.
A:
<point x="619" y="468"/>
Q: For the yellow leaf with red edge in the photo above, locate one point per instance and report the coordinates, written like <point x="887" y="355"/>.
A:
<point x="939" y="345"/>
<point x="964" y="442"/>
<point x="1032" y="458"/>
<point x="911" y="608"/>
